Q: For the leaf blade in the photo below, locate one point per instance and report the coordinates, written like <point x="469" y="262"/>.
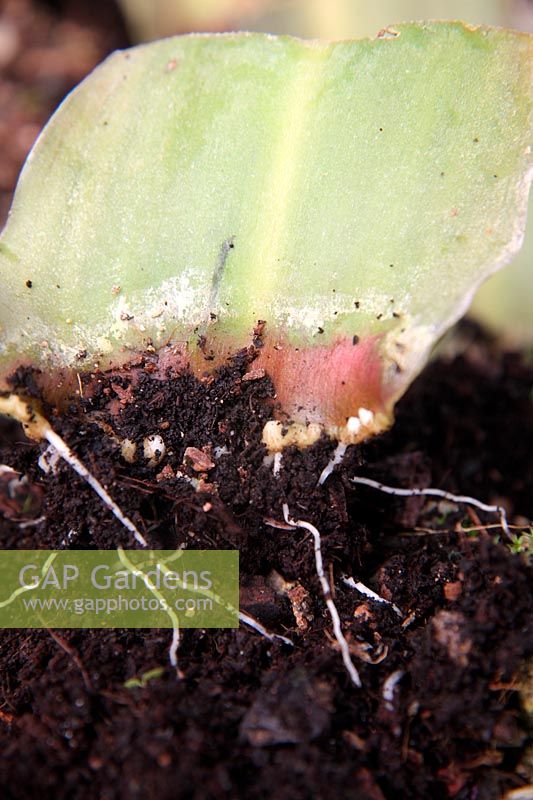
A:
<point x="359" y="188"/>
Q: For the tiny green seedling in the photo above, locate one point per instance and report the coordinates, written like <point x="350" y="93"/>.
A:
<point x="522" y="544"/>
<point x="144" y="679"/>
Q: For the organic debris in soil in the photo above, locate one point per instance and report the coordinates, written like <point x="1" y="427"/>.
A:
<point x="439" y="714"/>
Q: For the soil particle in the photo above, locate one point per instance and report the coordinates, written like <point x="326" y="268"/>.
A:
<point x="198" y="459"/>
<point x="292" y="709"/>
<point x="448" y="631"/>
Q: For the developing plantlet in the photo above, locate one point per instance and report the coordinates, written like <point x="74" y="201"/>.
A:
<point x="332" y="205"/>
<point x="144" y="679"/>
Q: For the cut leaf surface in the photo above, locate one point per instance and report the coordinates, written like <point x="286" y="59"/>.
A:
<point x="353" y="195"/>
<point x="505" y="303"/>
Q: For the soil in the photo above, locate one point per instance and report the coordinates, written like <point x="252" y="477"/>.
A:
<point x="257" y="718"/>
<point x="252" y="717"/>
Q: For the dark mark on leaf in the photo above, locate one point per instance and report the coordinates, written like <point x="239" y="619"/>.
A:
<point x="259" y="330"/>
<point x="218" y="274"/>
<point x="202" y="344"/>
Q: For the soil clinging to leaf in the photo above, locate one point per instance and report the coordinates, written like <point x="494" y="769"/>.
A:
<point x="441" y="712"/>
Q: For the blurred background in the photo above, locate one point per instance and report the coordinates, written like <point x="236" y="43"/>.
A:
<point x="48" y="46"/>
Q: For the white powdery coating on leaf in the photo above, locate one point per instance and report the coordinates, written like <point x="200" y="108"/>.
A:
<point x="180" y="299"/>
<point x="329" y="307"/>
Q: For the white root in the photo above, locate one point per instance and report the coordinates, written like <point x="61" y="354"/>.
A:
<point x="37" y="427"/>
<point x="253" y="623"/>
<point x="175" y="642"/>
<point x="73" y="461"/>
<point x="276" y="464"/>
<point x="389" y="687"/>
<point x="31" y="523"/>
<point x="366" y="416"/>
<point x="326" y="590"/>
<point x="174" y="645"/>
<point x="360" y="587"/>
<point x="48" y="461"/>
<point x="454" y="498"/>
<point x="337" y="458"/>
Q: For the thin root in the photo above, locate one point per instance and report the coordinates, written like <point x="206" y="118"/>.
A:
<point x="253" y="623"/>
<point x="38" y="428"/>
<point x="174" y="646"/>
<point x="337" y="458"/>
<point x="175" y="642"/>
<point x="454" y="498"/>
<point x="72" y="653"/>
<point x="326" y="590"/>
<point x="389" y="688"/>
<point x="360" y="587"/>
